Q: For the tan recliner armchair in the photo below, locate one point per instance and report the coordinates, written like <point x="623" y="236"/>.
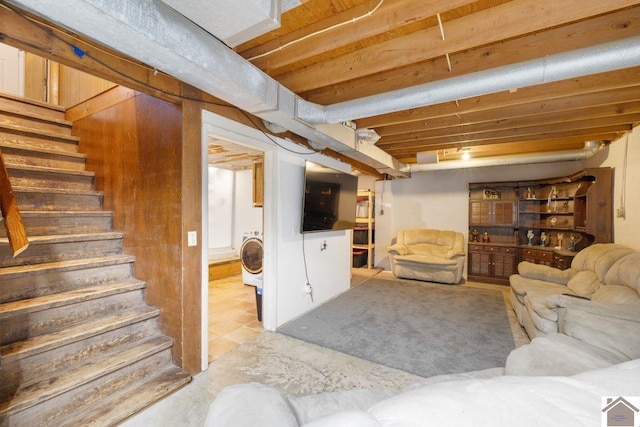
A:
<point x="429" y="255"/>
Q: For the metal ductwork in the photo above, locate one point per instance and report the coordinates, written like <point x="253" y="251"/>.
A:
<point x="590" y="148"/>
<point x="157" y="35"/>
<point x="580" y="62"/>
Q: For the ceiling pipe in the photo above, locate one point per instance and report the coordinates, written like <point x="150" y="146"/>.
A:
<point x="596" y="59"/>
<point x="590" y="148"/>
<point x="157" y="35"/>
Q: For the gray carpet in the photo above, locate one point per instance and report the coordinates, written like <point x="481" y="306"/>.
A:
<point x="422" y="328"/>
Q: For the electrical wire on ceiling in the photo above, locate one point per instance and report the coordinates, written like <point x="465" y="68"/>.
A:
<point x="324" y="30"/>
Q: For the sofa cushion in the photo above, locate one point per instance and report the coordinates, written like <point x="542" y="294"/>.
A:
<point x="625" y="272"/>
<point x="613" y="328"/>
<point x="557" y="354"/>
<point x="521" y="286"/>
<point x="347" y="418"/>
<point x="262" y="405"/>
<point x="545" y="273"/>
<point x="584" y="283"/>
<point x="421" y="260"/>
<point x="616" y="294"/>
<point x="599" y="258"/>
<point x="429" y="249"/>
<point x="538" y="303"/>
<point x="312" y="407"/>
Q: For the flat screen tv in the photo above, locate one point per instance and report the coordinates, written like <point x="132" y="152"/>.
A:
<point x="329" y="200"/>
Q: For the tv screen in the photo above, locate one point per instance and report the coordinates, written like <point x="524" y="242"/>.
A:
<point x="329" y="200"/>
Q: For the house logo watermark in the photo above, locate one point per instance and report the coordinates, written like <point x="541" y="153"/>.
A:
<point x="621" y="411"/>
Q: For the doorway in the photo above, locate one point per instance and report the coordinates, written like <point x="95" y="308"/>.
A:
<point x="234" y="249"/>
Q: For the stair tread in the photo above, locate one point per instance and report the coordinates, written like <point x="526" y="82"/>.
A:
<point x="42" y="343"/>
<point x="18" y="188"/>
<point x="79" y="237"/>
<point x="39" y="132"/>
<point x="47" y="169"/>
<point x="35" y="116"/>
<point x="15" y="144"/>
<point x="52" y="107"/>
<point x="128" y="401"/>
<point x="33" y="305"/>
<point x="59" y="382"/>
<point x="57" y="214"/>
<point x="7" y="273"/>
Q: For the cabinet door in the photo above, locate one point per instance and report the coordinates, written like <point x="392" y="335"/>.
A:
<point x="504" y="263"/>
<point x="480" y="263"/>
<point x="503" y="213"/>
<point x="480" y="213"/>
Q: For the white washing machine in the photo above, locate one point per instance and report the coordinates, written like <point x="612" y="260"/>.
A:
<point x="251" y="258"/>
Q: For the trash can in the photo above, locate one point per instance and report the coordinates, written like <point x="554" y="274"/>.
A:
<point x="259" y="302"/>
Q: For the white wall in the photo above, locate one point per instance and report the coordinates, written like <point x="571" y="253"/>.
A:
<point x="626" y="230"/>
<point x="439" y="199"/>
<point x="329" y="271"/>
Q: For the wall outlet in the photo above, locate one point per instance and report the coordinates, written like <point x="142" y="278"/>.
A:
<point x="620" y="213"/>
<point x="192" y="238"/>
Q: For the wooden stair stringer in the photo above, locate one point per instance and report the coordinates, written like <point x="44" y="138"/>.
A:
<point x="80" y="339"/>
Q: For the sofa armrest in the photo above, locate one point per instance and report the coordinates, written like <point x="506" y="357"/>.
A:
<point x="454" y="253"/>
<point x="398" y="249"/>
<point x="545" y="273"/>
<point x="611" y="327"/>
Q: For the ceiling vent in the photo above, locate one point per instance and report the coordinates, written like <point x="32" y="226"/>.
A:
<point x="234" y="23"/>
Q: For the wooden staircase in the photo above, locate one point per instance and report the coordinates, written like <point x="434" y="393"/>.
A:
<point x="78" y="343"/>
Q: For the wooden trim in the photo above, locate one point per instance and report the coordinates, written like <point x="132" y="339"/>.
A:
<point x="12" y="219"/>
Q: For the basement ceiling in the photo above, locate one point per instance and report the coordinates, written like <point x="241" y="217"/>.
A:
<point x="348" y="52"/>
<point x="329" y="51"/>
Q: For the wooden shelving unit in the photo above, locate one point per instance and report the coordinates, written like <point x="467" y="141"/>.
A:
<point x="364" y="233"/>
<point x="571" y="212"/>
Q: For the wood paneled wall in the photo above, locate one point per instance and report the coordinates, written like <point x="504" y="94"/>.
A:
<point x="142" y="156"/>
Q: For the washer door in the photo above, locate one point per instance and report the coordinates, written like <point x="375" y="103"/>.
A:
<point x="251" y="255"/>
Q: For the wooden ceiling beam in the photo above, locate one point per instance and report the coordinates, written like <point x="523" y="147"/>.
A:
<point x="390" y="16"/>
<point x="588" y="84"/>
<point x="585" y="134"/>
<point x="515" y="19"/>
<point x="613" y="113"/>
<point x="505" y="148"/>
<point x="607" y="98"/>
<point x="601" y="29"/>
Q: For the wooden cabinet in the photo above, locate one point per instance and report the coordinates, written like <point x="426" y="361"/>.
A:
<point x="571" y="213"/>
<point x="364" y="233"/>
<point x="492" y="263"/>
<point x="492" y="213"/>
<point x="258" y="183"/>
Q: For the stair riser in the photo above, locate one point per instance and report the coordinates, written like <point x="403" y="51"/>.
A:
<point x="56" y="410"/>
<point x="28" y="325"/>
<point x="31" y="201"/>
<point x="32" y="108"/>
<point x="30" y="122"/>
<point x="42" y="142"/>
<point x="38" y="226"/>
<point x="23" y="157"/>
<point x="57" y="180"/>
<point x="39" y="253"/>
<point x="52" y="282"/>
<point x="24" y="371"/>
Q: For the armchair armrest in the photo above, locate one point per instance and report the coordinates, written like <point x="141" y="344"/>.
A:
<point x="545" y="273"/>
<point x="398" y="249"/>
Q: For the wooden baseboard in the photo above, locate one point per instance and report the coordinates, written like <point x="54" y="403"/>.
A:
<point x="226" y="268"/>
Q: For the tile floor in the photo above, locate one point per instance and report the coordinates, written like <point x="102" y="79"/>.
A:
<point x="232" y="315"/>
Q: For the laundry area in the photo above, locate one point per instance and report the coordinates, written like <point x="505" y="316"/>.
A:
<point x="235" y="245"/>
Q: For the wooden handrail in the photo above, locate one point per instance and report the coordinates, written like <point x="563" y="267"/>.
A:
<point x="12" y="219"/>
